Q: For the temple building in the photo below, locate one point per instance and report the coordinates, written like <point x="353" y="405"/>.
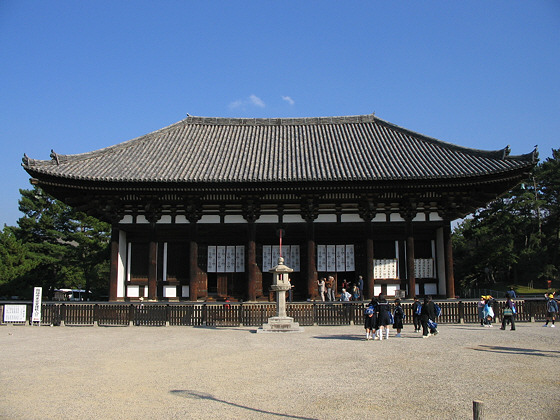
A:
<point x="201" y="209"/>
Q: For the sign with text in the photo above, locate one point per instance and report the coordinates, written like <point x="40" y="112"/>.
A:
<point x="14" y="313"/>
<point x="37" y="301"/>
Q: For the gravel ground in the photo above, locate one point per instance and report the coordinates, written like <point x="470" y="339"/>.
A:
<point x="234" y="373"/>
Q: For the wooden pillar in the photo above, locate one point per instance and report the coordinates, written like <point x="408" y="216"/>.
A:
<point x="448" y="249"/>
<point x="252" y="261"/>
<point x="194" y="280"/>
<point x="152" y="268"/>
<point x="114" y="273"/>
<point x="410" y="259"/>
<point x="370" y="282"/>
<point x="312" y="290"/>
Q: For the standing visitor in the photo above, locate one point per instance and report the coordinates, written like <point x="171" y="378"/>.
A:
<point x="321" y="284"/>
<point x="361" y="287"/>
<point x="551" y="309"/>
<point x="509" y="314"/>
<point x="481" y="304"/>
<point x="370" y="321"/>
<point x="398" y="317"/>
<point x="488" y="311"/>
<point x="330" y="293"/>
<point x="416" y="308"/>
<point x="383" y="318"/>
<point x="355" y="293"/>
<point x="428" y="313"/>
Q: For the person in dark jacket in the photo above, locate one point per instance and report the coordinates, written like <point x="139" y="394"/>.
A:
<point x="383" y="318"/>
<point x="416" y="314"/>
<point x="428" y="312"/>
<point x="509" y="314"/>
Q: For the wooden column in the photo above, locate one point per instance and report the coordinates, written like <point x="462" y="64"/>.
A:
<point x="114" y="273"/>
<point x="370" y="282"/>
<point x="448" y="249"/>
<point x="152" y="268"/>
<point x="252" y="261"/>
<point x="312" y="290"/>
<point x="194" y="279"/>
<point x="410" y="259"/>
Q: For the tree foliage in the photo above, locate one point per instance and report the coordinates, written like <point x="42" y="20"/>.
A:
<point x="57" y="247"/>
<point x="515" y="239"/>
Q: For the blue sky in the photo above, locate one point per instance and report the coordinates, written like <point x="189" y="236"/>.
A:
<point x="77" y="76"/>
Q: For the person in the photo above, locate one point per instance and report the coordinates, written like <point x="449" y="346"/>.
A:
<point x="345" y="296"/>
<point x="355" y="293"/>
<point x="361" y="287"/>
<point x="428" y="312"/>
<point x="551" y="310"/>
<point x="370" y="321"/>
<point x="511" y="293"/>
<point x="321" y="284"/>
<point x="509" y="314"/>
<point x="345" y="284"/>
<point x="481" y="304"/>
<point x="398" y="317"/>
<point x="383" y="318"/>
<point x="290" y="290"/>
<point x="488" y="311"/>
<point x="416" y="307"/>
<point x="330" y="292"/>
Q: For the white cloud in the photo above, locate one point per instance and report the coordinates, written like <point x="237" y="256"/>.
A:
<point x="255" y="100"/>
<point x="288" y="99"/>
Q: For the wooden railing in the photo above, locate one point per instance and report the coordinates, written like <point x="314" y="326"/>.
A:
<point x="248" y="314"/>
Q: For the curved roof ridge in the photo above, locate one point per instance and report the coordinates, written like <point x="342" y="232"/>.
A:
<point x="494" y="154"/>
<point x="61" y="158"/>
<point x="349" y="119"/>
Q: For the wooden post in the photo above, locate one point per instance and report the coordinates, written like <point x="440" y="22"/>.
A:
<point x="114" y="273"/>
<point x="478" y="410"/>
<point x="152" y="269"/>
<point x="194" y="278"/>
<point x="252" y="262"/>
<point x="370" y="280"/>
<point x="449" y="276"/>
<point x="312" y="290"/>
<point x="410" y="260"/>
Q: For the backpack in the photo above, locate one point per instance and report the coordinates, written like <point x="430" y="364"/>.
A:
<point x="418" y="309"/>
<point x="399" y="312"/>
<point x="437" y="309"/>
<point x="370" y="310"/>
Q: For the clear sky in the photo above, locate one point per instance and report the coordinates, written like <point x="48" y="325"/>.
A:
<point x="77" y="76"/>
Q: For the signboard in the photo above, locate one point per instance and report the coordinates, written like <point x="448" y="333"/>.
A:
<point x="424" y="268"/>
<point x="335" y="258"/>
<point x="385" y="268"/>
<point x="14" y="313"/>
<point x="37" y="301"/>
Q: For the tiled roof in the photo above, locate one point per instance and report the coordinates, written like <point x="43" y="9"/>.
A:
<point x="199" y="149"/>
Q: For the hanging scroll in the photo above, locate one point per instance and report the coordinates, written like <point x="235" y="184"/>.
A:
<point x="322" y="258"/>
<point x="340" y="258"/>
<point x="220" y="259"/>
<point x="350" y="265"/>
<point x="239" y="259"/>
<point x="424" y="268"/>
<point x="385" y="268"/>
<point x="230" y="259"/>
<point x="331" y="258"/>
<point x="211" y="267"/>
<point x="267" y="258"/>
<point x="294" y="257"/>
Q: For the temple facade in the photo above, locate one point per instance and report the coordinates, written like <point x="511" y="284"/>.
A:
<point x="203" y="208"/>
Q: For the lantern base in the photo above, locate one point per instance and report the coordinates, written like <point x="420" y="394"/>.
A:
<point x="280" y="324"/>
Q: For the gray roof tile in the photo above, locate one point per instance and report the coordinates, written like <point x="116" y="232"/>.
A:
<point x="199" y="149"/>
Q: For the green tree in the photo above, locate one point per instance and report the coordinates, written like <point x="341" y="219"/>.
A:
<point x="15" y="262"/>
<point x="516" y="238"/>
<point x="69" y="248"/>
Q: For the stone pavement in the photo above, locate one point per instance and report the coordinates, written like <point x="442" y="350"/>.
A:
<point x="234" y="373"/>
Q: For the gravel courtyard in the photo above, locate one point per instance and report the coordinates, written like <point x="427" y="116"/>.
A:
<point x="234" y="373"/>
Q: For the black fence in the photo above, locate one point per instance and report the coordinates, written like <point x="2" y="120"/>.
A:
<point x="247" y="314"/>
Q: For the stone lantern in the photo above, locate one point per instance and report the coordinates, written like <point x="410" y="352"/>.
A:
<point x="280" y="284"/>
